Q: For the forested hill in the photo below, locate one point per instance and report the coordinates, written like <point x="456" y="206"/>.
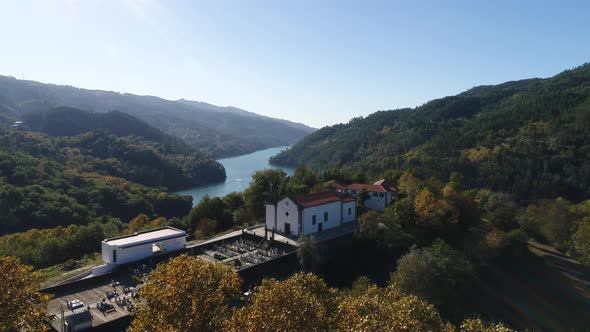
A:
<point x="117" y="144"/>
<point x="529" y="137"/>
<point x="217" y="131"/>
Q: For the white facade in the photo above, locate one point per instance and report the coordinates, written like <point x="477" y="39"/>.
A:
<point x="288" y="217"/>
<point x="142" y="245"/>
<point x="377" y="201"/>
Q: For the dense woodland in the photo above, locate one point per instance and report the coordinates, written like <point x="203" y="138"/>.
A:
<point x="437" y="242"/>
<point x="530" y="138"/>
<point x="88" y="180"/>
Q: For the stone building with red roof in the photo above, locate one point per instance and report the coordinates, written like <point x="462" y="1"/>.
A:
<point x="310" y="213"/>
<point x="381" y="193"/>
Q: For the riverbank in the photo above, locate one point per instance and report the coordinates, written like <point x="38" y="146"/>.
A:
<point x="239" y="172"/>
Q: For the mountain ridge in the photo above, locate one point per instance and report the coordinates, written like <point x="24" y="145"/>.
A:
<point x="219" y="134"/>
<point x="527" y="137"/>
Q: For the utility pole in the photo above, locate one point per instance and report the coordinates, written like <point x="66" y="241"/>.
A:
<point x="63" y="323"/>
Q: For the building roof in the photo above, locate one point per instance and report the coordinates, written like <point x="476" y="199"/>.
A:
<point x="320" y="198"/>
<point x="334" y="184"/>
<point x="367" y="187"/>
<point x="139" y="238"/>
<point x="386" y="184"/>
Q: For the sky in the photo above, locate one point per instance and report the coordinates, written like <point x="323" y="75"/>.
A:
<point x="315" y="62"/>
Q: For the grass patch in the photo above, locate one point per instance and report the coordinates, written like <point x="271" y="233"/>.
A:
<point x="56" y="274"/>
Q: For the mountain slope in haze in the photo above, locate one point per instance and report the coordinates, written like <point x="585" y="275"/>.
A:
<point x="529" y="137"/>
<point x="235" y="110"/>
<point x="214" y="130"/>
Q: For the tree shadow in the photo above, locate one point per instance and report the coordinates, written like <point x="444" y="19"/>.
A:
<point x="535" y="293"/>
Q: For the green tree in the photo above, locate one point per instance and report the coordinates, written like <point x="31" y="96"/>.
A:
<point x="437" y="273"/>
<point x="552" y="220"/>
<point x="581" y="242"/>
<point x="266" y="185"/>
<point x="476" y="325"/>
<point x="308" y="253"/>
<point x="383" y="228"/>
<point x="362" y="197"/>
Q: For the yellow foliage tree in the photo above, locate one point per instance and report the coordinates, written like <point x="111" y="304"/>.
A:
<point x="301" y="303"/>
<point x="187" y="294"/>
<point x="137" y="223"/>
<point x="409" y="184"/>
<point x="428" y="207"/>
<point x="386" y="309"/>
<point x="22" y="307"/>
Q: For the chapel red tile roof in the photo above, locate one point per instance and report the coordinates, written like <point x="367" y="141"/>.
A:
<point x="320" y="198"/>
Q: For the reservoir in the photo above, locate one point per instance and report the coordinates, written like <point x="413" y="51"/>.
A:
<point x="239" y="172"/>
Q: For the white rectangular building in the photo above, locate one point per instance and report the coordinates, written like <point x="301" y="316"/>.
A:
<point x="311" y="213"/>
<point x="142" y="245"/>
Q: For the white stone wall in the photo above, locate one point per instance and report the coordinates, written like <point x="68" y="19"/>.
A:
<point x="352" y="216"/>
<point x="107" y="253"/>
<point x="133" y="254"/>
<point x="333" y="210"/>
<point x="287" y="212"/>
<point x="376" y="202"/>
<point x="136" y="253"/>
<point x="103" y="269"/>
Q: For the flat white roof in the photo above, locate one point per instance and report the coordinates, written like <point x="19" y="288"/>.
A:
<point x="150" y="236"/>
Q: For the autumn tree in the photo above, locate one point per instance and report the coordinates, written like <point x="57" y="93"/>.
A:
<point x="433" y="211"/>
<point x="137" y="223"/>
<point x="428" y="207"/>
<point x="187" y="294"/>
<point x="301" y="303"/>
<point x="387" y="309"/>
<point x="22" y="306"/>
<point x="409" y="184"/>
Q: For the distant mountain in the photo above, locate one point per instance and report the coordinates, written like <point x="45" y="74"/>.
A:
<point x="217" y="131"/>
<point x="529" y="137"/>
<point x="238" y="111"/>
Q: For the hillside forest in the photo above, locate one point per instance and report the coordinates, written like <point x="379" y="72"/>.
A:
<point x="529" y="138"/>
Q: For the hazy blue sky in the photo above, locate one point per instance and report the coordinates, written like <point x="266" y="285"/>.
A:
<point x="316" y="62"/>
